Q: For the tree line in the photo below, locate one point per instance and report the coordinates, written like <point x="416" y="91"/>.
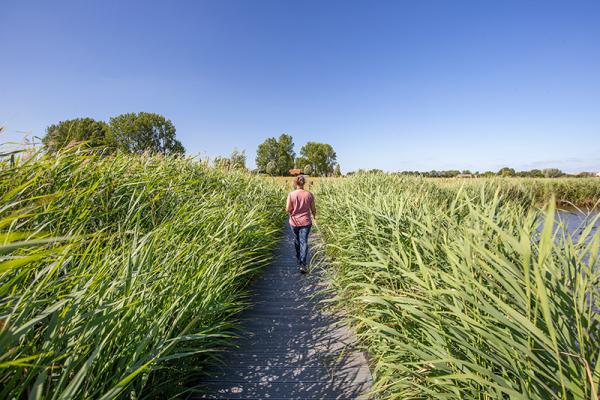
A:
<point x="276" y="156"/>
<point x="130" y="132"/>
<point x="149" y="132"/>
<point x="502" y="172"/>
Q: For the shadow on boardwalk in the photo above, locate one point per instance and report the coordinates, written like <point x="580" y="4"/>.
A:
<point x="289" y="347"/>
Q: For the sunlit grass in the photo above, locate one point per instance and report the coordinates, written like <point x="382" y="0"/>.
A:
<point x="463" y="293"/>
<point x="287" y="182"/>
<point x="119" y="276"/>
<point x="579" y="192"/>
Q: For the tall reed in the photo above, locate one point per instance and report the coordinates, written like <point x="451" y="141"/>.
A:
<point x="463" y="293"/>
<point x="120" y="276"/>
<point x="578" y="192"/>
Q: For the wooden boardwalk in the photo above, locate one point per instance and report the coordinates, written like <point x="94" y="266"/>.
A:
<point x="289" y="347"/>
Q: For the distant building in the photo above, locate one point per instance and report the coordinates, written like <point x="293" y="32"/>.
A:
<point x="295" y="171"/>
<point x="465" y="176"/>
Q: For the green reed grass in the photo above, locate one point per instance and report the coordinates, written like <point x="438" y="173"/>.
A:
<point x="464" y="292"/>
<point x="579" y="192"/>
<point x="120" y="276"/>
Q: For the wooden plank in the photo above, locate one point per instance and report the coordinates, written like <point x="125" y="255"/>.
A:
<point x="289" y="347"/>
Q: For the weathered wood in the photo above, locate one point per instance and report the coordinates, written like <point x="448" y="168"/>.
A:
<point x="289" y="348"/>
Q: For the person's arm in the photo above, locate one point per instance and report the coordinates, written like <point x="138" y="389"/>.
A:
<point x="313" y="207"/>
<point x="288" y="205"/>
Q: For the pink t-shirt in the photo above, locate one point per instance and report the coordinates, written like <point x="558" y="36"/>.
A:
<point x="300" y="202"/>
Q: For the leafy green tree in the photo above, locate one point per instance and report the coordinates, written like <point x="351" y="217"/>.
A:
<point x="281" y="152"/>
<point x="301" y="162"/>
<point x="271" y="168"/>
<point x="285" y="159"/>
<point x="585" y="174"/>
<point x="506" y="171"/>
<point x="536" y="173"/>
<point x="237" y="159"/>
<point x="320" y="156"/>
<point x="87" y="130"/>
<point x="451" y="173"/>
<point x="307" y="169"/>
<point x="337" y="171"/>
<point x="267" y="151"/>
<point x="552" y="173"/>
<point x="137" y="133"/>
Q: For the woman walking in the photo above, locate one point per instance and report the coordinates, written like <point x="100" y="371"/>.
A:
<point x="300" y="205"/>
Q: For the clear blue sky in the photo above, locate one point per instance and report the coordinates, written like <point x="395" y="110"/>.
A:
<point x="398" y="85"/>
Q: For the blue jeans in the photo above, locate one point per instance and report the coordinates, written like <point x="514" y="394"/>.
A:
<point x="301" y="242"/>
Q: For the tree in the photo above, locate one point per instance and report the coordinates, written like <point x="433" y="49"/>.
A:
<point x="308" y="169"/>
<point x="137" y="133"/>
<point x="320" y="156"/>
<point x="552" y="173"/>
<point x="506" y="172"/>
<point x="337" y="171"/>
<point x="267" y="152"/>
<point x="301" y="162"/>
<point x="281" y="152"/>
<point x="285" y="159"/>
<point x="585" y="174"/>
<point x="87" y="130"/>
<point x="271" y="168"/>
<point x="536" y="173"/>
<point x="451" y="173"/>
<point x="237" y="159"/>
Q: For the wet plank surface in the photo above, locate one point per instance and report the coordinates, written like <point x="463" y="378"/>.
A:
<point x="290" y="348"/>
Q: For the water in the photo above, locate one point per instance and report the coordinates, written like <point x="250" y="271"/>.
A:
<point x="575" y="220"/>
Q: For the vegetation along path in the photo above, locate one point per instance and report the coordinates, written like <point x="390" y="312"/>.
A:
<point x="290" y="347"/>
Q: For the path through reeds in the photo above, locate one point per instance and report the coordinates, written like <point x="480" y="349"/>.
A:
<point x="289" y="346"/>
